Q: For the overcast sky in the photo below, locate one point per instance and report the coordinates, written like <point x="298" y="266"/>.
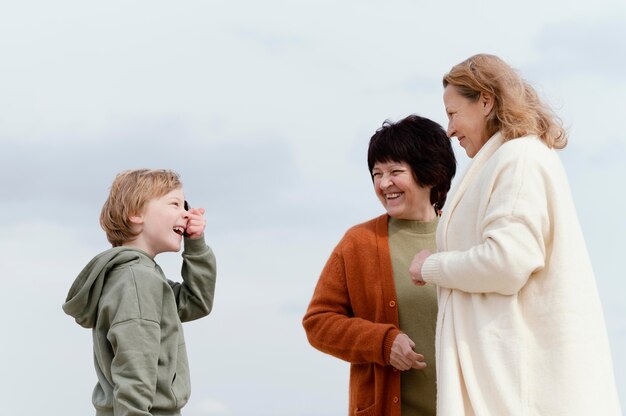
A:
<point x="265" y="109"/>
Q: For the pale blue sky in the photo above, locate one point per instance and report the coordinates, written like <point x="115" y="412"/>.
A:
<point x="265" y="108"/>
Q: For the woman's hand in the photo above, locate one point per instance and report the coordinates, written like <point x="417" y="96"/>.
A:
<point x="402" y="355"/>
<point x="415" y="270"/>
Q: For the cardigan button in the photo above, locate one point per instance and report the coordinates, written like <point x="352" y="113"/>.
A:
<point x="392" y="304"/>
<point x="395" y="399"/>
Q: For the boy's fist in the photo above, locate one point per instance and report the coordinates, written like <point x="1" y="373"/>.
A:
<point x="195" y="223"/>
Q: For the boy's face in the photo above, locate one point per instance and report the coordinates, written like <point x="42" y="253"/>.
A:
<point x="163" y="223"/>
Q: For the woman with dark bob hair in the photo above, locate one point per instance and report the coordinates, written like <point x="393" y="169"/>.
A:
<point x="364" y="309"/>
<point x="520" y="328"/>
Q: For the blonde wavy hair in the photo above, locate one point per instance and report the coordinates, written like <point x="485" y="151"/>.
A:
<point x="129" y="193"/>
<point x="517" y="110"/>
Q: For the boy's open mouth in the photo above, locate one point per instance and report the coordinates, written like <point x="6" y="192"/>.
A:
<point x="179" y="229"/>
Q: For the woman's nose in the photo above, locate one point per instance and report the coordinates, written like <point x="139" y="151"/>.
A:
<point x="451" y="133"/>
<point x="385" y="182"/>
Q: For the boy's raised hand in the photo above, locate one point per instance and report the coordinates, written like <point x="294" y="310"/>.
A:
<point x="195" y="224"/>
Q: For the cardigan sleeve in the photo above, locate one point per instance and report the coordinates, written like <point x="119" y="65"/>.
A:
<point x="332" y="327"/>
<point x="514" y="230"/>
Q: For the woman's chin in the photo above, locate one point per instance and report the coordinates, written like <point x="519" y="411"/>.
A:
<point x="394" y="212"/>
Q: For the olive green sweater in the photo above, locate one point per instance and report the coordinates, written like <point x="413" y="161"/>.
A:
<point x="135" y="314"/>
<point x="417" y="313"/>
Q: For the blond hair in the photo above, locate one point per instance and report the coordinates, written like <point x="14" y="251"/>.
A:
<point x="517" y="111"/>
<point x="129" y="193"/>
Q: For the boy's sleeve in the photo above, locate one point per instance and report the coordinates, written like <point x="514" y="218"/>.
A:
<point x="136" y="345"/>
<point x="194" y="296"/>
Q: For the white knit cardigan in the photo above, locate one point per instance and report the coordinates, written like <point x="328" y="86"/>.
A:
<point x="520" y="329"/>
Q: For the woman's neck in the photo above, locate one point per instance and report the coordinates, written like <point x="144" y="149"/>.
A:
<point x="424" y="214"/>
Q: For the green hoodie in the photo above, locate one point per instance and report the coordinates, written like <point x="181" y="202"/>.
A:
<point x="135" y="314"/>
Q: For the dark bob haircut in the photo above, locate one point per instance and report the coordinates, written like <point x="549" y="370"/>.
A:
<point x="424" y="146"/>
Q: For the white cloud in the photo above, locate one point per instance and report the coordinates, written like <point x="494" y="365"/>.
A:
<point x="208" y="407"/>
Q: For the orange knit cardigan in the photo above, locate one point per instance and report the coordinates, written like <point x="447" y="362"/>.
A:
<point x="353" y="316"/>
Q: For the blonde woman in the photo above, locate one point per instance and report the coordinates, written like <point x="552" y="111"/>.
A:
<point x="520" y="329"/>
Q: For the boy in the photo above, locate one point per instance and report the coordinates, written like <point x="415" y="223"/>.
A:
<point x="134" y="312"/>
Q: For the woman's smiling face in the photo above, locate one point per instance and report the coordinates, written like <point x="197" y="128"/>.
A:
<point x="398" y="191"/>
<point x="467" y="119"/>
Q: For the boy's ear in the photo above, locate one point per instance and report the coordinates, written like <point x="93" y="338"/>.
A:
<point x="136" y="219"/>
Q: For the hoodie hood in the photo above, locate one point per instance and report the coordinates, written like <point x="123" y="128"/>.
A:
<point x="82" y="299"/>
